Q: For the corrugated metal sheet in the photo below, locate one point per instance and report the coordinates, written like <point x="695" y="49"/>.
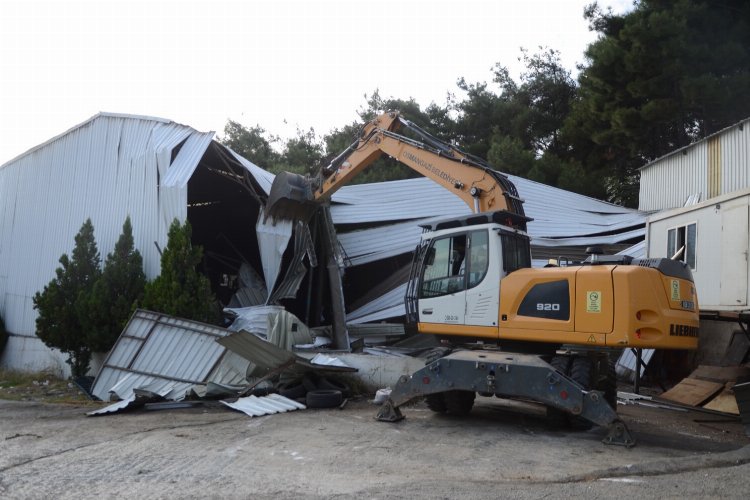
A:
<point x="267" y="405"/>
<point x="160" y="353"/>
<point x="266" y="355"/>
<point x="714" y="166"/>
<point x="105" y="169"/>
<point x="187" y="159"/>
<point x="561" y="218"/>
<point x="388" y="305"/>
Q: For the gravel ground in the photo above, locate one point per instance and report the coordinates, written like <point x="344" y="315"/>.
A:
<point x="500" y="450"/>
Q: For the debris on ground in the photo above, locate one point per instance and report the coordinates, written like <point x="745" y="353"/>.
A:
<point x="709" y="387"/>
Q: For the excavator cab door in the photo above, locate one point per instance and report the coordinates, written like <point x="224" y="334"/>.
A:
<point x="442" y="284"/>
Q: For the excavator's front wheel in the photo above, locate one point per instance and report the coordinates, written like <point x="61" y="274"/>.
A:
<point x="436" y="402"/>
<point x="459" y="403"/>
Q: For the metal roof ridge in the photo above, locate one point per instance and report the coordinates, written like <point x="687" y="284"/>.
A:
<point x="100" y="114"/>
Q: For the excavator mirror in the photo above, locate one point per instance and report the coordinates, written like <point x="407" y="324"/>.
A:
<point x="290" y="197"/>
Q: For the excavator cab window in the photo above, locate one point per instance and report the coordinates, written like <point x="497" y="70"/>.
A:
<point x="455" y="263"/>
<point x="516" y="252"/>
<point x="444" y="267"/>
<point x="478" y="257"/>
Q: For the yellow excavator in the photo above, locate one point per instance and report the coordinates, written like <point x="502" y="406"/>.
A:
<point x="531" y="333"/>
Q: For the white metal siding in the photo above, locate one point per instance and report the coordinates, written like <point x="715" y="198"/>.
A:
<point x="105" y="169"/>
<point x="667" y="182"/>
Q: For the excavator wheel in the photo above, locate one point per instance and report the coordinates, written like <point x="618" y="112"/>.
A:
<point x="436" y="402"/>
<point x="607" y="379"/>
<point x="459" y="403"/>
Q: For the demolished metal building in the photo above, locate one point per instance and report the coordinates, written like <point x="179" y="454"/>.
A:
<point x="154" y="170"/>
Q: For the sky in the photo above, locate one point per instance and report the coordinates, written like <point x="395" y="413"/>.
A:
<point x="281" y="64"/>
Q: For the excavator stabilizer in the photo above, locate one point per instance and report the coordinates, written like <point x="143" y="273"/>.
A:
<point x="291" y="198"/>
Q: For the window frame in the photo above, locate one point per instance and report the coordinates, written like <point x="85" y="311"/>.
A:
<point x="683" y="237"/>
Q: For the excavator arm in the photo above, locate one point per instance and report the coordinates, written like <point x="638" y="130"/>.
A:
<point x="471" y="179"/>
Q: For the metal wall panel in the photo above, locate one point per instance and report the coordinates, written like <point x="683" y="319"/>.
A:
<point x="714" y="166"/>
<point x="104" y="169"/>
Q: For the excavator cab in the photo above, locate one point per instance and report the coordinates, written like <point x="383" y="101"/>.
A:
<point x="454" y="284"/>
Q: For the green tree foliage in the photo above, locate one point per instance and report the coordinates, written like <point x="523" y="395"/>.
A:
<point x="659" y="77"/>
<point x="252" y="143"/>
<point x="116" y="293"/>
<point x="181" y="290"/>
<point x="302" y="154"/>
<point x="434" y="119"/>
<point x="63" y="303"/>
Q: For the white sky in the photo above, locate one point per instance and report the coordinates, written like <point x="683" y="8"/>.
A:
<point x="281" y="64"/>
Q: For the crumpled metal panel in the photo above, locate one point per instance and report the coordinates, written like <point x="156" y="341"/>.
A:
<point x="165" y="354"/>
<point x="303" y="245"/>
<point x="273" y="238"/>
<point x="186" y="161"/>
<point x="388" y="305"/>
<point x="253" y="319"/>
<point x="252" y="291"/>
<point x="268" y="356"/>
<point x="255" y="406"/>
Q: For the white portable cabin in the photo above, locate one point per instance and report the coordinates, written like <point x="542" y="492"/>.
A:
<point x="712" y="237"/>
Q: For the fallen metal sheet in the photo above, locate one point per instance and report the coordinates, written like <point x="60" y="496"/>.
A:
<point x="252" y="291"/>
<point x="625" y="366"/>
<point x="273" y="238"/>
<point x="268" y="356"/>
<point x="252" y="319"/>
<point x="296" y="271"/>
<point x="266" y="405"/>
<point x="129" y="403"/>
<point x="160" y="353"/>
<point x="325" y="360"/>
<point x="286" y="330"/>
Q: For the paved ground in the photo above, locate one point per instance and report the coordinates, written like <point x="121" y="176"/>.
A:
<point x="54" y="451"/>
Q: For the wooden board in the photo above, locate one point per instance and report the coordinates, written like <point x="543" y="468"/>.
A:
<point x="724" y="402"/>
<point x="721" y="374"/>
<point x="692" y="391"/>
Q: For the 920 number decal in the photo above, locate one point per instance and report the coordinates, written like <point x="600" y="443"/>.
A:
<point x="451" y="317"/>
<point x="547" y="307"/>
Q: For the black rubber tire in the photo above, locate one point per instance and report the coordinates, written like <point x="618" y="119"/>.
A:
<point x="436" y="402"/>
<point x="608" y="380"/>
<point x="459" y="403"/>
<point x="581" y="369"/>
<point x="293" y="390"/>
<point x="324" y="398"/>
<point x="336" y="385"/>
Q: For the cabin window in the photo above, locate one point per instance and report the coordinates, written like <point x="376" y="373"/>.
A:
<point x="444" y="267"/>
<point x="516" y="252"/>
<point x="681" y="243"/>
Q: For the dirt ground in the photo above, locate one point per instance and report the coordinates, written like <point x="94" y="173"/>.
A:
<point x="500" y="450"/>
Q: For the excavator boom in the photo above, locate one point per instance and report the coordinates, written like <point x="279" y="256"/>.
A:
<point x="471" y="179"/>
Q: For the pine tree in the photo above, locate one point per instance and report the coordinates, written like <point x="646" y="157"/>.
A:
<point x="115" y="295"/>
<point x="180" y="290"/>
<point x="64" y="300"/>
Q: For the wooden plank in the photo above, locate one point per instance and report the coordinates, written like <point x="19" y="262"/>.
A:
<point x="692" y="391"/>
<point x="722" y="374"/>
<point x="724" y="402"/>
